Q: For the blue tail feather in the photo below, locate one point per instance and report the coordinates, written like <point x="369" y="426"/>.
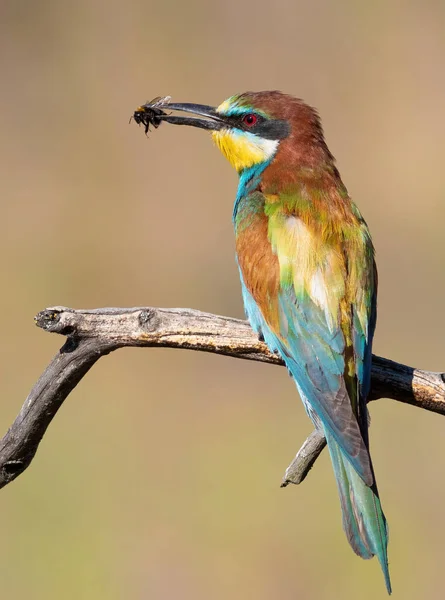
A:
<point x="363" y="519"/>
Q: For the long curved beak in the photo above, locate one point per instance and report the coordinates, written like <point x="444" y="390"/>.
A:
<point x="153" y="113"/>
<point x="213" y="121"/>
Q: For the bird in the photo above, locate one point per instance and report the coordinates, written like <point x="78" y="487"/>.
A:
<point x="308" y="277"/>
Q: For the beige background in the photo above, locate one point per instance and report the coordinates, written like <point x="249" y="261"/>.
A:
<point x="160" y="476"/>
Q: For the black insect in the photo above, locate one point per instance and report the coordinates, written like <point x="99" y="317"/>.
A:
<point x="150" y="113"/>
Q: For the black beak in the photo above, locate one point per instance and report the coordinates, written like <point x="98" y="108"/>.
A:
<point x="153" y="113"/>
<point x="213" y="121"/>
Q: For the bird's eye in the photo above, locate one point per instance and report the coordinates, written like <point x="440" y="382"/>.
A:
<point x="250" y="120"/>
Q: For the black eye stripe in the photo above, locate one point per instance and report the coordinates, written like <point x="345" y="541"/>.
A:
<point x="273" y="130"/>
<point x="270" y="129"/>
<point x="237" y="121"/>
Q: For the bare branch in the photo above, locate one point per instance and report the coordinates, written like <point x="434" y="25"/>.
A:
<point x="95" y="333"/>
<point x="299" y="468"/>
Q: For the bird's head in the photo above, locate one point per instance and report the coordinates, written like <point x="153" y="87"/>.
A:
<point x="252" y="128"/>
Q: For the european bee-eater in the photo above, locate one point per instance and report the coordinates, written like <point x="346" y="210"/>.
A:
<point x="308" y="278"/>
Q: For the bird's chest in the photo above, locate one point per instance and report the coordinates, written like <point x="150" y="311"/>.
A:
<point x="281" y="254"/>
<point x="259" y="265"/>
<point x="274" y="248"/>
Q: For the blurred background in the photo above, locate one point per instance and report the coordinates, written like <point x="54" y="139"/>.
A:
<point x="160" y="476"/>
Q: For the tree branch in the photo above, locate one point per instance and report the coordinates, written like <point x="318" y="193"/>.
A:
<point x="95" y="333"/>
<point x="305" y="459"/>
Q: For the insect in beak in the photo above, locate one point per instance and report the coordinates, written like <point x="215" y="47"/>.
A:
<point x="150" y="113"/>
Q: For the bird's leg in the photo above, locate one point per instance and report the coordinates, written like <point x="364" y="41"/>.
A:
<point x="306" y="456"/>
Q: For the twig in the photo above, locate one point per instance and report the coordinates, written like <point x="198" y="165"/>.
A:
<point x="306" y="456"/>
<point x="95" y="333"/>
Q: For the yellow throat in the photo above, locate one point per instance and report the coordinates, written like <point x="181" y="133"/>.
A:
<point x="243" y="149"/>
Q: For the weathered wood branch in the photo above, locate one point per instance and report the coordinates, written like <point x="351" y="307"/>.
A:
<point x="95" y="333"/>
<point x="305" y="459"/>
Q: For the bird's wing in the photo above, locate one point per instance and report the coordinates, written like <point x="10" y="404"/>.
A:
<point x="321" y="330"/>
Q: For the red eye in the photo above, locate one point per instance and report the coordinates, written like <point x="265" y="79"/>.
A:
<point x="250" y="120"/>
